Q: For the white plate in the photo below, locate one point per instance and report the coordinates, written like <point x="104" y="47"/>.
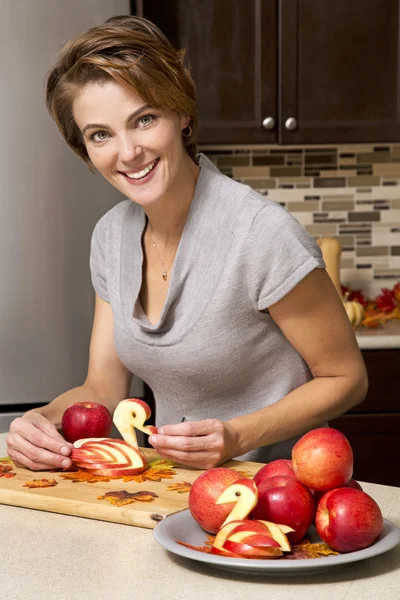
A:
<point x="181" y="526"/>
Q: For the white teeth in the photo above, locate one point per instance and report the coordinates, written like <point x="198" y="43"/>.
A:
<point x="141" y="173"/>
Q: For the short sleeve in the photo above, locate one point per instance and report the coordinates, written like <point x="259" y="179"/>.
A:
<point x="282" y="253"/>
<point x="98" y="266"/>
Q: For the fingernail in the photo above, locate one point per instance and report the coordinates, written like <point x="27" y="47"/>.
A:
<point x="161" y="430"/>
<point x="152" y="439"/>
<point x="65" y="450"/>
<point x="66" y="463"/>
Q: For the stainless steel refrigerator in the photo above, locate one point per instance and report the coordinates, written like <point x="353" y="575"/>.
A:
<point x="49" y="204"/>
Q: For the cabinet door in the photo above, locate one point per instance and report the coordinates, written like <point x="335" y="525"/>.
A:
<point x="339" y="70"/>
<point x="232" y="51"/>
<point x="375" y="443"/>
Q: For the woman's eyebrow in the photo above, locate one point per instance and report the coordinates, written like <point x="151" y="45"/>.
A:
<point x="129" y="119"/>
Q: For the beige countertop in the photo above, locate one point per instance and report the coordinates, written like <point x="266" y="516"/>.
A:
<point x="47" y="556"/>
<point x="383" y="337"/>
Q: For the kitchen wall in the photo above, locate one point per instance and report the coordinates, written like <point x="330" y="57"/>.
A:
<point x="351" y="192"/>
<point x="49" y="204"/>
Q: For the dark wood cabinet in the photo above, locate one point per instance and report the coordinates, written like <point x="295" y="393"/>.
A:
<point x="339" y="70"/>
<point x="233" y="62"/>
<point x="373" y="427"/>
<point x="325" y="72"/>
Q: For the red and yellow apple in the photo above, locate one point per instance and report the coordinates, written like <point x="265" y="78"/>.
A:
<point x="323" y="459"/>
<point x="281" y="466"/>
<point x="348" y="519"/>
<point x="286" y="501"/>
<point x="205" y="491"/>
<point x="86" y="420"/>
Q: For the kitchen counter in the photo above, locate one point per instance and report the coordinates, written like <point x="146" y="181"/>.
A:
<point x="384" y="337"/>
<point x="45" y="555"/>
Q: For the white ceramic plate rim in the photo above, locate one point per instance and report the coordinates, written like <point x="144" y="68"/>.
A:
<point x="165" y="535"/>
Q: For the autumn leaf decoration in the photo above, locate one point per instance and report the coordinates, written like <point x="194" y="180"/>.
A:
<point x="303" y="550"/>
<point x="40" y="483"/>
<point x="124" y="497"/>
<point x="157" y="470"/>
<point x="385" y="307"/>
<point x="6" y="468"/>
<point x="244" y="474"/>
<point x="182" y="487"/>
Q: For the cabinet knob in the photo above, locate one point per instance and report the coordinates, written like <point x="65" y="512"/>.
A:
<point x="291" y="124"/>
<point x="268" y="123"/>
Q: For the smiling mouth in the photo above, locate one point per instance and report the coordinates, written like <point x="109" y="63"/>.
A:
<point x="143" y="172"/>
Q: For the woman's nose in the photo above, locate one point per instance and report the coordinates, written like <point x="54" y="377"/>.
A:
<point x="129" y="151"/>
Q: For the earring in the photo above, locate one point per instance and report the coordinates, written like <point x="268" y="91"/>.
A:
<point x="187" y="135"/>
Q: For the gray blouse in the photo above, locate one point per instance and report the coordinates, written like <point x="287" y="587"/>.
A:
<point x="215" y="351"/>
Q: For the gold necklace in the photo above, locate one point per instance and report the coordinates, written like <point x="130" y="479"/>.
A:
<point x="164" y="268"/>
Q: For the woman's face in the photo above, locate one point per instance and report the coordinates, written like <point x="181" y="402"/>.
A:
<point x="137" y="148"/>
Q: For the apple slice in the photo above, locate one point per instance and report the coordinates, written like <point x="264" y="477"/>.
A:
<point x="244" y="493"/>
<point x="109" y="458"/>
<point x="250" y="526"/>
<point x="223" y="533"/>
<point x="82" y="441"/>
<point x="278" y="535"/>
<point x="253" y="551"/>
<point x="131" y="413"/>
<point x="253" y="539"/>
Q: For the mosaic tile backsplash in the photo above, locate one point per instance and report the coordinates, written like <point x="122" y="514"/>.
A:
<point x="351" y="192"/>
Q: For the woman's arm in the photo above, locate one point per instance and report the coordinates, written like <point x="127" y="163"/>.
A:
<point x="33" y="440"/>
<point x="313" y="320"/>
<point x="108" y="380"/>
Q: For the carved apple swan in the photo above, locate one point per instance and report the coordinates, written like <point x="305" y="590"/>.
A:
<point x="241" y="537"/>
<point x="113" y="457"/>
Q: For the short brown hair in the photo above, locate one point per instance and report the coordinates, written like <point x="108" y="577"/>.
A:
<point x="132" y="51"/>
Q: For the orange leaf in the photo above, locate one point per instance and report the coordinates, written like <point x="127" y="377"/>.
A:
<point x="6" y="470"/>
<point x="305" y="550"/>
<point x="151" y="474"/>
<point x="181" y="487"/>
<point x="40" y="483"/>
<point x="124" y="497"/>
<point x="205" y="549"/>
<point x="244" y="473"/>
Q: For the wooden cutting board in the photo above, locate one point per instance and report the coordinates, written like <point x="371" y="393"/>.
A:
<point x="102" y="499"/>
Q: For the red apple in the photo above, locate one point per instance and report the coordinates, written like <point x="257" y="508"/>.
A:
<point x="204" y="493"/>
<point x="285" y="500"/>
<point x="351" y="484"/>
<point x="86" y="420"/>
<point x="348" y="519"/>
<point x="281" y="466"/>
<point x="323" y="459"/>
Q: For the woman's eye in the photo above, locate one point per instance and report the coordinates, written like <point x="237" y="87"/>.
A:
<point x="99" y="136"/>
<point x="146" y="120"/>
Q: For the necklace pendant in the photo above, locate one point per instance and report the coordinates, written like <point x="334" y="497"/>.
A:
<point x="164" y="275"/>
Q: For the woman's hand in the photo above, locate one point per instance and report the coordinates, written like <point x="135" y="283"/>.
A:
<point x="199" y="444"/>
<point x="35" y="443"/>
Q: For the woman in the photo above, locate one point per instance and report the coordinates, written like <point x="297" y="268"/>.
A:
<point x="215" y="297"/>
